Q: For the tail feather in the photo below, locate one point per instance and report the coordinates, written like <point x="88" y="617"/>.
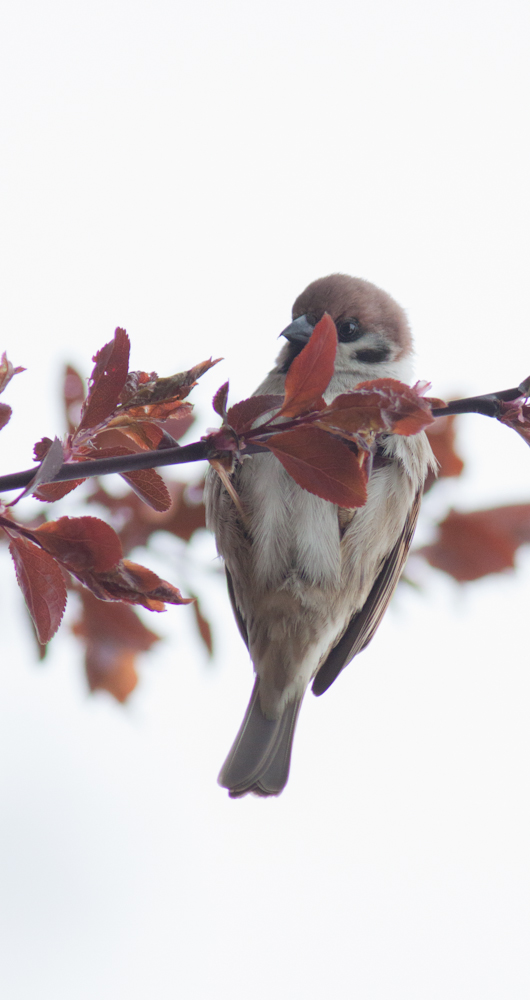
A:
<point x="260" y="757"/>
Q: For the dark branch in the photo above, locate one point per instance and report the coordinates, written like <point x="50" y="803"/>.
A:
<point x="488" y="406"/>
<point x="199" y="451"/>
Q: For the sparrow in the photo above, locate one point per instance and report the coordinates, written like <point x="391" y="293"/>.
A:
<point x="309" y="582"/>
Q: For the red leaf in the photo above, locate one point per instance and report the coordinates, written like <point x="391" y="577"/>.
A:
<point x="113" y="635"/>
<point x="170" y="387"/>
<point x="138" y="521"/>
<point x="219" y="400"/>
<point x="134" y="584"/>
<point x="354" y="413"/>
<point x="406" y="410"/>
<point x="134" y="382"/>
<point x="242" y="415"/>
<point x="162" y="410"/>
<point x="5" y="414"/>
<point x="74" y="396"/>
<point x="476" y="543"/>
<point x="81" y="543"/>
<point x="42" y="583"/>
<point x="322" y="465"/>
<point x="41" y="448"/>
<point x="310" y="372"/>
<point x="50" y="492"/>
<point x="441" y="436"/>
<point x="517" y="416"/>
<point x="49" y="467"/>
<point x="146" y="483"/>
<point x="107" y="380"/>
<point x="150" y="487"/>
<point x="203" y="625"/>
<point x="187" y="513"/>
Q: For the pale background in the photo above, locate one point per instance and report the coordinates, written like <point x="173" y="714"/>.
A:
<point x="185" y="170"/>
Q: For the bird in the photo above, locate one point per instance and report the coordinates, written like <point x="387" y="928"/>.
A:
<point x="308" y="581"/>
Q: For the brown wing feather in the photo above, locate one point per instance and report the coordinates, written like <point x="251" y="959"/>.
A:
<point x="237" y="613"/>
<point x="365" y="622"/>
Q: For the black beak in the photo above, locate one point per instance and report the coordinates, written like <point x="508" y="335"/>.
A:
<point x="299" y="331"/>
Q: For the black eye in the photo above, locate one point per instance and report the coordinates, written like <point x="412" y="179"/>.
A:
<point x="349" y="330"/>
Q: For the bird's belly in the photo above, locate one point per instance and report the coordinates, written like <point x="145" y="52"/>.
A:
<point x="295" y="535"/>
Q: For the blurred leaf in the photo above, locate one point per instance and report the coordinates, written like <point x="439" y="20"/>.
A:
<point x="441" y="435"/>
<point x="7" y="371"/>
<point x="74" y="393"/>
<point x="203" y="625"/>
<point x="476" y="543"/>
<point x="5" y="414"/>
<point x="113" y="635"/>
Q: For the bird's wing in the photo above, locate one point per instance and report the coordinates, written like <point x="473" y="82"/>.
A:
<point x="364" y="623"/>
<point x="237" y="613"/>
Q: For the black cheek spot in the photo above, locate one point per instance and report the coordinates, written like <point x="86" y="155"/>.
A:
<point x="373" y="354"/>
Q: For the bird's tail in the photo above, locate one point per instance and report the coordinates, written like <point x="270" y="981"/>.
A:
<point x="260" y="757"/>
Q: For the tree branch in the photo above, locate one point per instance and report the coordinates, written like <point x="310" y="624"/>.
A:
<point x="489" y="405"/>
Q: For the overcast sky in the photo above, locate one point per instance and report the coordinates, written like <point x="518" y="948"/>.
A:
<point x="184" y="170"/>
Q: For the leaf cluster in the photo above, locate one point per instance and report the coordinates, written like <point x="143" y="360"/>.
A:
<point x="328" y="446"/>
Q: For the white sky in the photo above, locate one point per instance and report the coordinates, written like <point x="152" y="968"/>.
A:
<point x="185" y="171"/>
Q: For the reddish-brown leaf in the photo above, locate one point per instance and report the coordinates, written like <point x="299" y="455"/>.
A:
<point x="115" y="673"/>
<point x="162" y="411"/>
<point x="441" y="435"/>
<point x="138" y="521"/>
<point x="5" y="414"/>
<point x="241" y="416"/>
<point x="134" y="382"/>
<point x="219" y="400"/>
<point x="146" y="483"/>
<point x="476" y="543"/>
<point x="354" y="413"/>
<point x="7" y="371"/>
<point x="50" y="492"/>
<point x="150" y="487"/>
<point x="170" y="387"/>
<point x="134" y="584"/>
<point x="107" y="380"/>
<point x="81" y="543"/>
<point x="517" y="416"/>
<point x="74" y="396"/>
<point x="176" y="426"/>
<point x="113" y="635"/>
<point x="322" y="465"/>
<point x="48" y="468"/>
<point x="41" y="448"/>
<point x="310" y="372"/>
<point x="203" y="626"/>
<point x="42" y="583"/>
<point x="188" y="379"/>
<point x="407" y="411"/>
<point x="187" y="513"/>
